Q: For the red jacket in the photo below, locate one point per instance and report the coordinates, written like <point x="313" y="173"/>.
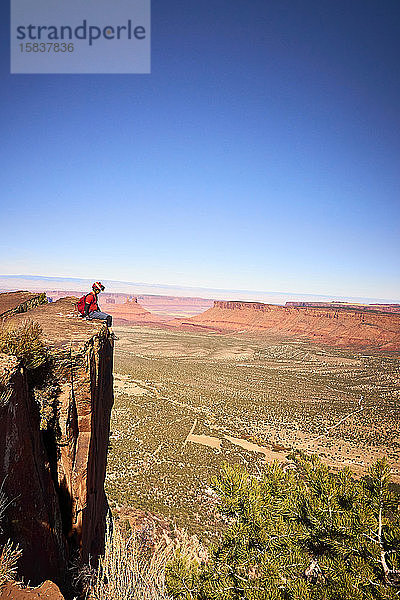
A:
<point x="91" y="299"/>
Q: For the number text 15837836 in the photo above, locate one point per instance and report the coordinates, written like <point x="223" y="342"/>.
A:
<point x="46" y="47"/>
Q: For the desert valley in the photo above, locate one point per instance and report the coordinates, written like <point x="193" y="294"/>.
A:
<point x="247" y="382"/>
<point x="189" y="385"/>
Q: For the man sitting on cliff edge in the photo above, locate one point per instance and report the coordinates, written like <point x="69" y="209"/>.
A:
<point x="92" y="309"/>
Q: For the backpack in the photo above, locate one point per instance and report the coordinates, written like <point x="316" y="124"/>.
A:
<point x="80" y="305"/>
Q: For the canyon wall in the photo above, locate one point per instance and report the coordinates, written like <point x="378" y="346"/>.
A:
<point x="337" y="327"/>
<point x="348" y="305"/>
<point x="33" y="517"/>
<point x="53" y="443"/>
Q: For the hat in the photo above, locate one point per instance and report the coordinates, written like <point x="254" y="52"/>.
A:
<point x="98" y="286"/>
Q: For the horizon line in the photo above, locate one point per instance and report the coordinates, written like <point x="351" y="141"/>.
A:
<point x="372" y="300"/>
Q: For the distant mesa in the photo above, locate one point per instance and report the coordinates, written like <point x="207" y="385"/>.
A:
<point x="160" y="308"/>
<point x="391" y="308"/>
<point x="341" y="326"/>
<point x="170" y="307"/>
<point x="338" y="324"/>
<point x="123" y="307"/>
<point x="128" y="313"/>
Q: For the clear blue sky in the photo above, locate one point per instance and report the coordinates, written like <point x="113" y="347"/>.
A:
<point x="263" y="152"/>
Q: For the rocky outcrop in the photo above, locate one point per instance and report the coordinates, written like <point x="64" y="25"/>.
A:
<point x="12" y="303"/>
<point x="84" y="421"/>
<point x="33" y="517"/>
<point x="331" y="326"/>
<point x="130" y="313"/>
<point x="55" y="476"/>
<point x="47" y="591"/>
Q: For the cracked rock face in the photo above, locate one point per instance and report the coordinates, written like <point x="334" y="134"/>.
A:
<point x="33" y="518"/>
<point x="56" y="477"/>
<point x="84" y="418"/>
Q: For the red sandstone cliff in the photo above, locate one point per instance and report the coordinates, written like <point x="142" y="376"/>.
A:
<point x="391" y="308"/>
<point x="129" y="313"/>
<point x="336" y="327"/>
<point x="33" y="518"/>
<point x="56" y="482"/>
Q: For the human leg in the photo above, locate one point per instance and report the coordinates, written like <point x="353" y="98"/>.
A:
<point x="100" y="316"/>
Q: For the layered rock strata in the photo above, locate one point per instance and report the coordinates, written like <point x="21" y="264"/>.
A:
<point x="332" y="326"/>
<point x="391" y="308"/>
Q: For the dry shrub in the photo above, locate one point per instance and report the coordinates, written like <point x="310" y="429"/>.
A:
<point x="25" y="342"/>
<point x="9" y="555"/>
<point x="125" y="572"/>
<point x="129" y="571"/>
<point x="3" y="501"/>
<point x="188" y="546"/>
